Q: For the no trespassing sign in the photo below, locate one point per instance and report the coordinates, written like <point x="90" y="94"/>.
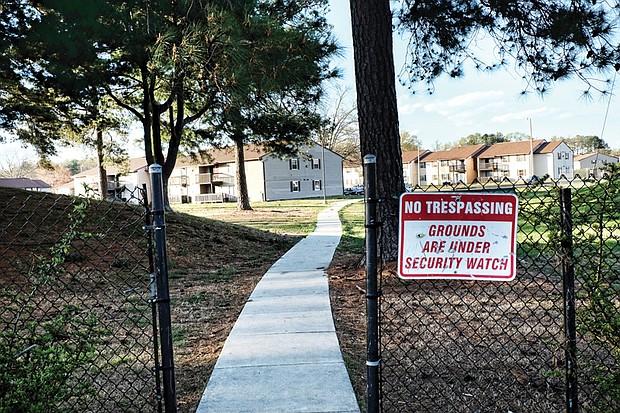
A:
<point x="468" y="236"/>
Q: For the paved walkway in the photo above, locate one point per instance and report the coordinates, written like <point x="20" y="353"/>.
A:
<point x="282" y="355"/>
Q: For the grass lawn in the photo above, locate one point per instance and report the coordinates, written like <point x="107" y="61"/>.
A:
<point x="292" y="217"/>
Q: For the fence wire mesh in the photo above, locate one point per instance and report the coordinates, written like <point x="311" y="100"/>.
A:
<point x="473" y="346"/>
<point x="75" y="322"/>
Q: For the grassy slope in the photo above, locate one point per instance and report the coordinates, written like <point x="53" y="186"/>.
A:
<point x="213" y="267"/>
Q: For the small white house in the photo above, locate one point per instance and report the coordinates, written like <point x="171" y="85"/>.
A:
<point x="593" y="164"/>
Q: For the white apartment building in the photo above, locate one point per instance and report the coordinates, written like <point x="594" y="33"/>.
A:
<point x="555" y="159"/>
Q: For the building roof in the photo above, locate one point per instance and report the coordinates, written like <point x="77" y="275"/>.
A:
<point x="227" y="155"/>
<point x="348" y="163"/>
<point x="587" y="155"/>
<point x="460" y="152"/>
<point x="511" y="148"/>
<point x="412" y="156"/>
<point x="548" y="147"/>
<point x="23" y="183"/>
<point x="135" y="164"/>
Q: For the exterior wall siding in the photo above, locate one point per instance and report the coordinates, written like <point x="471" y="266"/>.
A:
<point x="280" y="178"/>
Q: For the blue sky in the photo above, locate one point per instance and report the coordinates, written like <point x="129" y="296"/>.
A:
<point x="486" y="103"/>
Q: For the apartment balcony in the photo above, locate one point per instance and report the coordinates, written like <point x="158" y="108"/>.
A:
<point x="457" y="168"/>
<point x="220" y="178"/>
<point x="206" y="178"/>
<point x="206" y="198"/>
<point x="178" y="180"/>
<point x="485" y="166"/>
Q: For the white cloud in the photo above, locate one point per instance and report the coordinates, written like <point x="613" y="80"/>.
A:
<point x="522" y="115"/>
<point x="406" y="108"/>
<point x="467" y="100"/>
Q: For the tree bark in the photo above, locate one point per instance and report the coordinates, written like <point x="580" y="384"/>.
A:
<point x="103" y="174"/>
<point x="243" y="199"/>
<point x="375" y="82"/>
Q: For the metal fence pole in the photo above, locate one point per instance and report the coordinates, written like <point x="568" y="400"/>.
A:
<point x="568" y="272"/>
<point x="163" y="295"/>
<point x="153" y="300"/>
<point x="372" y="330"/>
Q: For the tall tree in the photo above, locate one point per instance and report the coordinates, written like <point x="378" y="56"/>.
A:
<point x="377" y="110"/>
<point x="408" y="142"/>
<point x="55" y="94"/>
<point x="278" y="81"/>
<point x="586" y="144"/>
<point x="483" y="138"/>
<point x="546" y="40"/>
<point x="339" y="132"/>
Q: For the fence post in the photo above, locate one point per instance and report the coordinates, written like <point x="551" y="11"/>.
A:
<point x="153" y="300"/>
<point x="163" y="294"/>
<point x="372" y="329"/>
<point x="568" y="272"/>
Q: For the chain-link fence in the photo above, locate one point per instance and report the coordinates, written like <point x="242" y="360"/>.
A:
<point x="476" y="346"/>
<point x="76" y="331"/>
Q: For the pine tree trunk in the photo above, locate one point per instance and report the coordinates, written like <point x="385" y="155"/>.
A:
<point x="243" y="199"/>
<point x="377" y="111"/>
<point x="103" y="174"/>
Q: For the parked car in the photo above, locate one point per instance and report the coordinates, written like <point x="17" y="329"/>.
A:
<point x="356" y="190"/>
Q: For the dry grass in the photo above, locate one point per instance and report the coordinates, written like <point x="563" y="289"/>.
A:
<point x="213" y="268"/>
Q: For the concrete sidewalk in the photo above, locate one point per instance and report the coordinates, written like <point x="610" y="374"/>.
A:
<point x="282" y="355"/>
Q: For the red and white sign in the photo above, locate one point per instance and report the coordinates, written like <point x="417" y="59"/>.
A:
<point x="466" y="236"/>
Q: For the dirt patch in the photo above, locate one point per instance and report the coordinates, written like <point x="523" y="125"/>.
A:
<point x="347" y="284"/>
<point x="454" y="346"/>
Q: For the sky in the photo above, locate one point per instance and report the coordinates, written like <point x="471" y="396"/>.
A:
<point x="486" y="103"/>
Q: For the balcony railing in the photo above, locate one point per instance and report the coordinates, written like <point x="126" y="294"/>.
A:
<point x="204" y="178"/>
<point x="220" y="178"/>
<point x="178" y="180"/>
<point x="457" y="168"/>
<point x="214" y="198"/>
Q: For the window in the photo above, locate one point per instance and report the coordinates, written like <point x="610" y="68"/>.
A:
<point x="316" y="185"/>
<point x="505" y="158"/>
<point x="293" y="164"/>
<point x="445" y="177"/>
<point x="316" y="163"/>
<point x="434" y="177"/>
<point x="295" y="186"/>
<point x="521" y="172"/>
<point x="444" y="163"/>
<point x="520" y="158"/>
<point x="559" y="155"/>
<point x="422" y="164"/>
<point x="422" y="178"/>
<point x="566" y="155"/>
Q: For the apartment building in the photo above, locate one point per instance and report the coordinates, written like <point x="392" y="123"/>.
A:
<point x="414" y="169"/>
<point x="309" y="173"/>
<point x="508" y="160"/>
<point x="452" y="166"/>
